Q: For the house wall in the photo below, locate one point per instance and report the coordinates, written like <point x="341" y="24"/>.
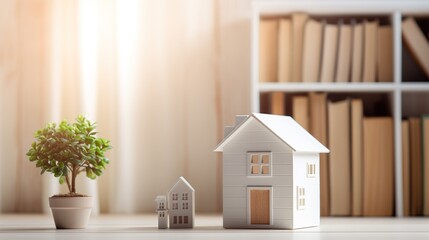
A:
<point x="162" y="219"/>
<point x="190" y="212"/>
<point x="255" y="137"/>
<point x="310" y="215"/>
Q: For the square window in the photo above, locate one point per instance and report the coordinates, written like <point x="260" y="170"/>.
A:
<point x="184" y="196"/>
<point x="175" y="197"/>
<point x="255" y="169"/>
<point x="185" y="220"/>
<point x="255" y="159"/>
<point x="259" y="163"/>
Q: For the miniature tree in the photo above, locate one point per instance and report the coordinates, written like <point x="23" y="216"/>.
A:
<point x="66" y="150"/>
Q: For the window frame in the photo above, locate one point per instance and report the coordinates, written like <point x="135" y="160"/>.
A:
<point x="185" y="205"/>
<point x="250" y="164"/>
<point x="311" y="166"/>
<point x="300" y="197"/>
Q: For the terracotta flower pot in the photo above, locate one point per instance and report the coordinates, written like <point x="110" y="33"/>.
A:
<point x="71" y="212"/>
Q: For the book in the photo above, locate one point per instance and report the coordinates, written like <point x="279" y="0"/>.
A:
<point x="416" y="180"/>
<point x="344" y="53"/>
<point x="378" y="171"/>
<point x="300" y="111"/>
<point x="329" y="53"/>
<point x="312" y="49"/>
<point x="285" y="51"/>
<point x="357" y="53"/>
<point x="385" y="54"/>
<point x="319" y="129"/>
<point x="298" y="23"/>
<point x="357" y="158"/>
<point x="339" y="158"/>
<point x="277" y="103"/>
<point x="268" y="50"/>
<point x="425" y="147"/>
<point x="417" y="42"/>
<point x="369" y="56"/>
<point x="411" y="70"/>
<point x="405" y="133"/>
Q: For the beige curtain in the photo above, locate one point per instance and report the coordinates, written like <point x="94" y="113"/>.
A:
<point x="161" y="78"/>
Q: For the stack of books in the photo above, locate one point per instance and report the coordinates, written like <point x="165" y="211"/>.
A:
<point x="415" y="166"/>
<point x="302" y="49"/>
<point x="357" y="177"/>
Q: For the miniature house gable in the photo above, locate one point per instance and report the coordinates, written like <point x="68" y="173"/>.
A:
<point x="284" y="127"/>
<point x="270" y="174"/>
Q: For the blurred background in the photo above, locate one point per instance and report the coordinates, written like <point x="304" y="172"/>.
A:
<point x="160" y="78"/>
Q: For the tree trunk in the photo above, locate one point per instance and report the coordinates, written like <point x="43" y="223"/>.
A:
<point x="74" y="174"/>
<point x="68" y="182"/>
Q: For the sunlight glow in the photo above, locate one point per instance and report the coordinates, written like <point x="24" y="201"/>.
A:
<point x="88" y="39"/>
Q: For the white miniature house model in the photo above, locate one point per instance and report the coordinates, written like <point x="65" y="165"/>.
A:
<point x="179" y="210"/>
<point x="270" y="173"/>
<point x="161" y="208"/>
<point x="181" y="204"/>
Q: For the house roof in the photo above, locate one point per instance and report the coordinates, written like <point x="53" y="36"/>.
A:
<point x="182" y="180"/>
<point x="160" y="198"/>
<point x="285" y="128"/>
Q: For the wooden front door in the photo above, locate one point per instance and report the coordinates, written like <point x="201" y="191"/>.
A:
<point x="259" y="206"/>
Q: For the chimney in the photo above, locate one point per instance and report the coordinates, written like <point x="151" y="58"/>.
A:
<point x="239" y="119"/>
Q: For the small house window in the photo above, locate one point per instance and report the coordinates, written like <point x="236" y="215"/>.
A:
<point x="180" y="219"/>
<point x="175" y="197"/>
<point x="259" y="163"/>
<point x="300" y="197"/>
<point x="311" y="170"/>
<point x="161" y="205"/>
<point x="175" y="206"/>
<point x="184" y="196"/>
<point x="185" y="205"/>
<point x="185" y="220"/>
<point x="175" y="220"/>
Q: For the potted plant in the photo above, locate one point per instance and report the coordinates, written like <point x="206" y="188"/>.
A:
<point x="66" y="150"/>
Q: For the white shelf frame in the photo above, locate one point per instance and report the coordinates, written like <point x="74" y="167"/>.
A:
<point x="396" y="9"/>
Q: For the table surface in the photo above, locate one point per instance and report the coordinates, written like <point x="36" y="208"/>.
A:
<point x="210" y="227"/>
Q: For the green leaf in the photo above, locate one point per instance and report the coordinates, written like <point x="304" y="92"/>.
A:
<point x="90" y="174"/>
<point x="62" y="179"/>
<point x="57" y="146"/>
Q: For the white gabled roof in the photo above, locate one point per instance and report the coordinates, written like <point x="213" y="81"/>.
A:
<point x="285" y="128"/>
<point x="182" y="180"/>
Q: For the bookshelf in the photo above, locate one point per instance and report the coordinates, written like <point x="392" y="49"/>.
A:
<point x="405" y="96"/>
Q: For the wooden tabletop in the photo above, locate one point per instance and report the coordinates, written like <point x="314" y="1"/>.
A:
<point x="210" y="227"/>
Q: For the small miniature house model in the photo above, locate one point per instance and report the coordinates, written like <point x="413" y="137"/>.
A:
<point x="181" y="206"/>
<point x="270" y="173"/>
<point x="161" y="203"/>
<point x="181" y="199"/>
